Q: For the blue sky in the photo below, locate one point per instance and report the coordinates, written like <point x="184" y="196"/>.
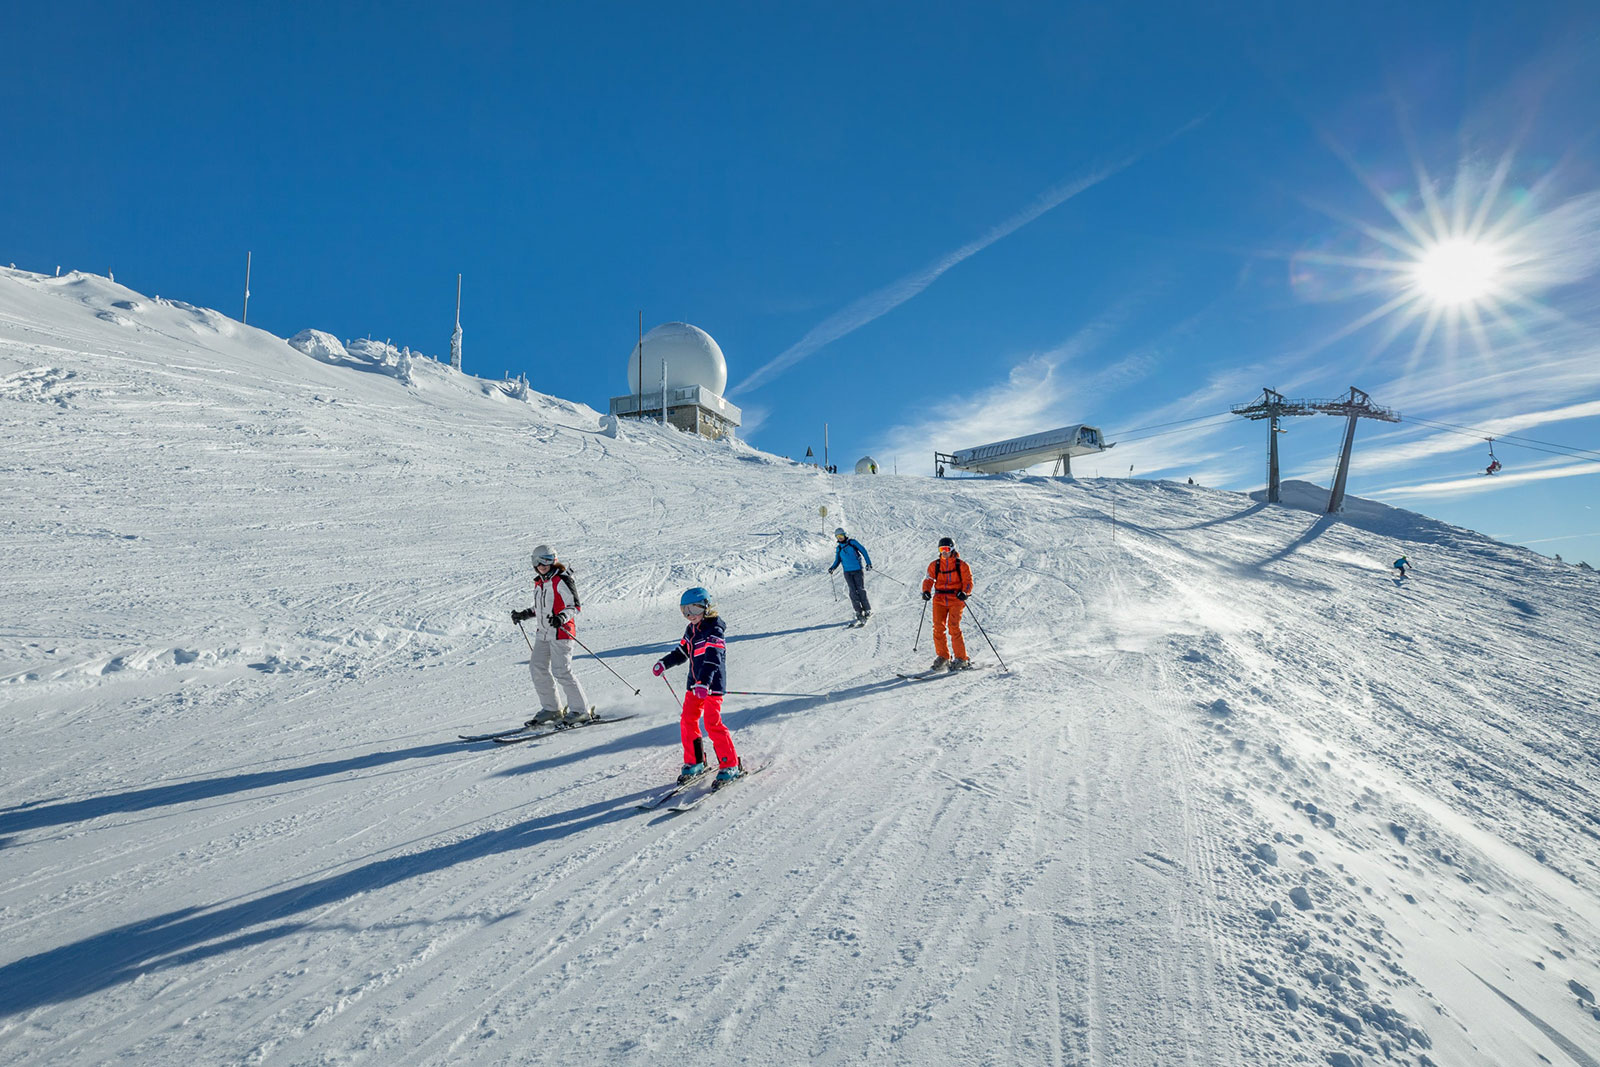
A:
<point x="927" y="225"/>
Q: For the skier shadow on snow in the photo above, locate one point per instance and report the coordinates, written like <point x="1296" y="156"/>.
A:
<point x="162" y="796"/>
<point x="664" y="736"/>
<point x="188" y="935"/>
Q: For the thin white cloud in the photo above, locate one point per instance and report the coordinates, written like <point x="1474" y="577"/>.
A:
<point x="1457" y="487"/>
<point x="877" y="304"/>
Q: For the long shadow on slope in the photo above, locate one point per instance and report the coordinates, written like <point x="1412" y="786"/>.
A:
<point x="661" y="648"/>
<point x="665" y="736"/>
<point x="161" y="796"/>
<point x="191" y="934"/>
<point x="1249" y="570"/>
<point x="1310" y="534"/>
<point x="1235" y="517"/>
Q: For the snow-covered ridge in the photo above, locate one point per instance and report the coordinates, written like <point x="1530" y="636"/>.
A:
<point x="1244" y="797"/>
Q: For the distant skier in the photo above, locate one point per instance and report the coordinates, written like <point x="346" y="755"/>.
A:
<point x="852" y="556"/>
<point x="948" y="584"/>
<point x="1401" y="564"/>
<point x="703" y="647"/>
<point x="555" y="605"/>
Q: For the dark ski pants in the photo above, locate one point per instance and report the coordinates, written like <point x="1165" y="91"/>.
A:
<point x="856" y="582"/>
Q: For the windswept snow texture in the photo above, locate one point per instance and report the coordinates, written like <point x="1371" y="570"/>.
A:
<point x="1243" y="797"/>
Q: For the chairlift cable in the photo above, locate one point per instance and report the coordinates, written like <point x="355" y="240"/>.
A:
<point x="1501" y="436"/>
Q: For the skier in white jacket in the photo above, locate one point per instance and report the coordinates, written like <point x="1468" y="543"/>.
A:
<point x="554" y="610"/>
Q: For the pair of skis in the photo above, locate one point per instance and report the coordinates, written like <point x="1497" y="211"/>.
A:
<point x="519" y="734"/>
<point x="686" y="796"/>
<point x="936" y="672"/>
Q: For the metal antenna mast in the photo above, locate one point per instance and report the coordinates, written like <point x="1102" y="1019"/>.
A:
<point x="1357" y="405"/>
<point x="1273" y="406"/>
<point x="455" y="338"/>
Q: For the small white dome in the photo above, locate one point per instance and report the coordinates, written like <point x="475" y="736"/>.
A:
<point x="693" y="358"/>
<point x="865" y="464"/>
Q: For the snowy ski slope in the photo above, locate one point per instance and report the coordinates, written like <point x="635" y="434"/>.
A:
<point x="1243" y="798"/>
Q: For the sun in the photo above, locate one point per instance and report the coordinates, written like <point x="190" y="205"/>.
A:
<point x="1456" y="272"/>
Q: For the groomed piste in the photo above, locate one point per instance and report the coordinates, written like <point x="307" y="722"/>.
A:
<point x="1243" y="797"/>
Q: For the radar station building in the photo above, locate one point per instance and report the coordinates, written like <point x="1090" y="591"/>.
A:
<point x="676" y="375"/>
<point x="1019" y="453"/>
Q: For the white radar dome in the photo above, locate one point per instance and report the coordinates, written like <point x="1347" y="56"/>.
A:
<point x="693" y="358"/>
<point x="866" y="465"/>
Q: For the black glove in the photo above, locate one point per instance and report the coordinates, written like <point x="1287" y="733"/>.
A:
<point x="517" y="616"/>
<point x="961" y="596"/>
<point x="558" y="619"/>
<point x="926" y="595"/>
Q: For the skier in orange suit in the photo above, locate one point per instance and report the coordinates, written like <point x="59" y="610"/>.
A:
<point x="948" y="584"/>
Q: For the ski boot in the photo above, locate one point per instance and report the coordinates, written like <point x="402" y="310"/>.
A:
<point x="546" y="717"/>
<point x="690" y="772"/>
<point x="728" y="774"/>
<point x="960" y="665"/>
<point x="939" y="663"/>
<point x="578" y="718"/>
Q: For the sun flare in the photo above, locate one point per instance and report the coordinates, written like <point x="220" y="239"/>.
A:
<point x="1456" y="272"/>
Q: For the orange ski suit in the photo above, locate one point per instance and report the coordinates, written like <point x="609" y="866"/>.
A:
<point x="948" y="576"/>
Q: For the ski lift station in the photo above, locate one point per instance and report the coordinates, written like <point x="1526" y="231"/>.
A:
<point x="1019" y="453"/>
<point x="676" y="375"/>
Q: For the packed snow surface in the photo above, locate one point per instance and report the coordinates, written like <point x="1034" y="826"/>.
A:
<point x="1241" y="795"/>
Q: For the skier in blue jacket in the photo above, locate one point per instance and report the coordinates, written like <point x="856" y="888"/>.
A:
<point x="852" y="556"/>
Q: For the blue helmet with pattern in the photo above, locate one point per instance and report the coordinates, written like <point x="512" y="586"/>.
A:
<point x="697" y="595"/>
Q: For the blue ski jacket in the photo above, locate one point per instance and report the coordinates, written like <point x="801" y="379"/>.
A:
<point x="703" y="647"/>
<point x="850" y="556"/>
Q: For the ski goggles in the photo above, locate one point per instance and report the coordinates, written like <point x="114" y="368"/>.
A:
<point x="542" y="562"/>
<point x="692" y="611"/>
<point x="945" y="550"/>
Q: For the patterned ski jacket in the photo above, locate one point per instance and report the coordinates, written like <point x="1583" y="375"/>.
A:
<point x="850" y="555"/>
<point x="702" y="646"/>
<point x="555" y="594"/>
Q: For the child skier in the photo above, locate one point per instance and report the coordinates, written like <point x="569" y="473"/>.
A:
<point x="554" y="628"/>
<point x="948" y="584"/>
<point x="852" y="556"/>
<point x="703" y="647"/>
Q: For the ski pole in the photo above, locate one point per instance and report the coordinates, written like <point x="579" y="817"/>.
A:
<point x="834" y="582"/>
<point x="920" y="621"/>
<point x="671" y="690"/>
<point x="603" y="663"/>
<point x="891" y="577"/>
<point x="985" y="634"/>
<point x="745" y="693"/>
<point x="525" y="637"/>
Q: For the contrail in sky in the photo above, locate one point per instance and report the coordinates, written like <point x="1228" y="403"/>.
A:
<point x="881" y="302"/>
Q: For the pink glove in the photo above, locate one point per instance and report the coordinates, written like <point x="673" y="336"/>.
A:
<point x="658" y="669"/>
<point x="701" y="691"/>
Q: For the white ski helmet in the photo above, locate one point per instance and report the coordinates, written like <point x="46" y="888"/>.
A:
<point x="544" y="554"/>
